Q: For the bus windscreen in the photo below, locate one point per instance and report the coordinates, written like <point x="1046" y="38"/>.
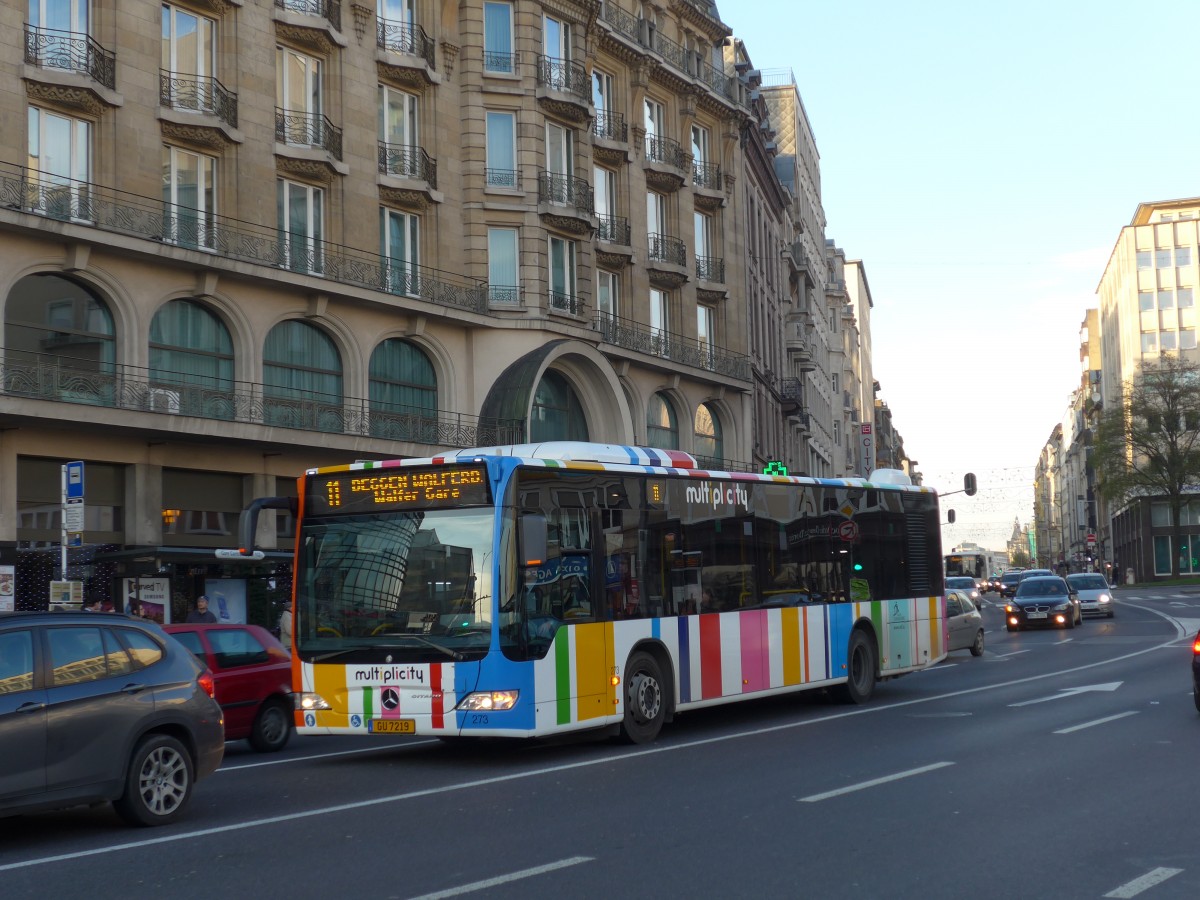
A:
<point x="379" y="490"/>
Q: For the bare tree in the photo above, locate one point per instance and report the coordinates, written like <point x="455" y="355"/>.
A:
<point x="1147" y="444"/>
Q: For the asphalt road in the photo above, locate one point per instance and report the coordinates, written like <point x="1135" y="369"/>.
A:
<point x="1059" y="764"/>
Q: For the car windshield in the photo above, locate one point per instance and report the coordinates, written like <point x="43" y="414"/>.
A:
<point x="967" y="583"/>
<point x="1042" y="587"/>
<point x="1088" y="582"/>
<point x="415" y="586"/>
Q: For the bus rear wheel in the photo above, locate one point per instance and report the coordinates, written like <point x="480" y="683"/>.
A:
<point x="645" y="699"/>
<point x="860" y="670"/>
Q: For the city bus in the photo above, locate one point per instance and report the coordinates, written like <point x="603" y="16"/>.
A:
<point x="979" y="564"/>
<point x="536" y="589"/>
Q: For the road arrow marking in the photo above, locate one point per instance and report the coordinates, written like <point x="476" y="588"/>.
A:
<point x="1071" y="692"/>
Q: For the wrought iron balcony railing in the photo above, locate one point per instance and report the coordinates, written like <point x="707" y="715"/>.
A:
<point x="664" y="248"/>
<point x="308" y="130"/>
<point x="614" y="230"/>
<point x="610" y="126"/>
<point x="670" y="51"/>
<point x="564" y="75"/>
<point x="407" y="161"/>
<point x="630" y="335"/>
<point x="715" y="79"/>
<point x="118" y="212"/>
<point x="329" y="10"/>
<point x="402" y="37"/>
<point x="665" y="150"/>
<point x="503" y="295"/>
<point x="198" y="93"/>
<point x="621" y="21"/>
<point x="711" y="269"/>
<point x="500" y="63"/>
<point x="503" y="178"/>
<point x="564" y="302"/>
<point x="706" y="175"/>
<point x="50" y="48"/>
<point x="80" y="381"/>
<point x="565" y="190"/>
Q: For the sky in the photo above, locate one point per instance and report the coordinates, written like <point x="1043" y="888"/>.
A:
<point x="981" y="160"/>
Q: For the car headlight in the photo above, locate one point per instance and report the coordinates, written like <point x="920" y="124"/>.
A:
<point x="1104" y="598"/>
<point x="1066" y="604"/>
<point x="484" y="701"/>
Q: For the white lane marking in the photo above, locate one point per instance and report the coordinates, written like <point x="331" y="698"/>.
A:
<point x="605" y="760"/>
<point x="1149" y="880"/>
<point x="1006" y="655"/>
<point x="377" y="748"/>
<point x="874" y="782"/>
<point x="1071" y="692"/>
<point x="505" y="879"/>
<point x="1096" y="722"/>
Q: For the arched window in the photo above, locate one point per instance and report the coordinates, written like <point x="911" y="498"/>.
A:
<point x="191" y="361"/>
<point x="54" y="321"/>
<point x="557" y="414"/>
<point x="709" y="446"/>
<point x="662" y="429"/>
<point x="302" y="378"/>
<point x="403" y="390"/>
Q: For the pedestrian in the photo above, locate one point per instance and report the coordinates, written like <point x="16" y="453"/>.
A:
<point x="285" y="628"/>
<point x="201" y="614"/>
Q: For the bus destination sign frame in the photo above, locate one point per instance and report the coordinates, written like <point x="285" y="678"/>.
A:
<point x="380" y="490"/>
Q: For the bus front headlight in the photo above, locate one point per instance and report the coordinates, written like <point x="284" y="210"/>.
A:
<point x="308" y="701"/>
<point x="489" y="701"/>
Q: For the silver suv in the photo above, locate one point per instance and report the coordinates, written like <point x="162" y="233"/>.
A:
<point x="101" y="707"/>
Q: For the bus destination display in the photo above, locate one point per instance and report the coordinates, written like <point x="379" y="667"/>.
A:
<point x="392" y="489"/>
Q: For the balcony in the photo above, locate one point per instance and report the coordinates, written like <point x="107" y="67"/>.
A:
<point x="715" y="79"/>
<point x="410" y="162"/>
<point x="297" y="128"/>
<point x="666" y="162"/>
<point x="500" y="63"/>
<point x="797" y="346"/>
<point x="508" y="179"/>
<point x="85" y="382"/>
<point x="610" y="126"/>
<point x="710" y="269"/>
<point x="791" y="395"/>
<point x="613" y="230"/>
<point x="405" y="39"/>
<point x="630" y="335"/>
<point x="161" y="225"/>
<point x="708" y="186"/>
<point x="70" y="51"/>
<point x="329" y="10"/>
<point x="566" y="303"/>
<point x="198" y="93"/>
<point x="566" y="202"/>
<point x="564" y="88"/>
<point x="623" y="23"/>
<point x="504" y="296"/>
<point x="664" y="248"/>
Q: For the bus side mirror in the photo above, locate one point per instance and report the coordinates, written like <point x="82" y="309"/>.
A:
<point x="534" y="539"/>
<point x="969" y="485"/>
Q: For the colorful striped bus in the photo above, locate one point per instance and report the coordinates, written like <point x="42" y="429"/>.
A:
<point x="535" y="589"/>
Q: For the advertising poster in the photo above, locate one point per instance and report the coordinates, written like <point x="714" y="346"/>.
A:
<point x="227" y="599"/>
<point x="148" y="597"/>
<point x="8" y="588"/>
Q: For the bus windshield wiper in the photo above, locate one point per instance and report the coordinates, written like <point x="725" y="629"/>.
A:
<point x="453" y="654"/>
<point x="333" y="654"/>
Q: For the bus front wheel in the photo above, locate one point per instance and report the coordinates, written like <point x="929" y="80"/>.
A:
<point x="645" y="699"/>
<point x="860" y="669"/>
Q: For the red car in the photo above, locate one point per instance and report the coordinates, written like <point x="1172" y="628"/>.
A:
<point x="253" y="675"/>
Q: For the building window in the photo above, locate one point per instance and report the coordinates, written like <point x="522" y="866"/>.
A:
<point x="704" y="232"/>
<point x="403" y="389"/>
<point x="1146" y="301"/>
<point x="556" y="414"/>
<point x="1149" y="341"/>
<point x="60" y="163"/>
<point x="608" y="295"/>
<point x="659" y="322"/>
<point x="400" y="246"/>
<point x="498" y="53"/>
<point x="662" y="428"/>
<point x="1184" y="298"/>
<point x="51" y="319"/>
<point x="710" y="446"/>
<point x="560" y="155"/>
<point x="303" y="370"/>
<point x="300" y="119"/>
<point x="556" y="38"/>
<point x="190" y="348"/>
<point x="1183" y="256"/>
<point x="501" y="149"/>
<point x="835" y="380"/>
<point x="189" y="46"/>
<point x="1166" y="340"/>
<point x="398" y="130"/>
<point x="1187" y="339"/>
<point x="503" y="286"/>
<point x="300" y="209"/>
<point x="1143" y="259"/>
<point x="655" y="118"/>
<point x="1162" y="258"/>
<point x="1166" y="300"/>
<point x="837" y="433"/>
<point x="705" y="317"/>
<point x="602" y="91"/>
<point x="562" y="276"/>
<point x="189" y="198"/>
<point x="397" y="12"/>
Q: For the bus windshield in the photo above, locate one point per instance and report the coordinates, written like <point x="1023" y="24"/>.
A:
<point x="402" y="586"/>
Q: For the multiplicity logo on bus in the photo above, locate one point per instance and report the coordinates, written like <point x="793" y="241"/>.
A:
<point x="718" y="494"/>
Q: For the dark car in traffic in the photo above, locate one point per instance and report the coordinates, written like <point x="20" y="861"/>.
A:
<point x="1008" y="584"/>
<point x="253" y="675"/>
<point x="1043" y="600"/>
<point x="98" y="707"/>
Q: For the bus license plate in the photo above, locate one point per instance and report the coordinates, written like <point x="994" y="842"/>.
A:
<point x="392" y="726"/>
<point x="1037" y="615"/>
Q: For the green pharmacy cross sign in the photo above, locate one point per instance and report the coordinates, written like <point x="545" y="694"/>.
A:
<point x="775" y="467"/>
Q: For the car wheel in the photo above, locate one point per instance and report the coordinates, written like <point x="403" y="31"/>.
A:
<point x="272" y="727"/>
<point x="1110" y="613"/>
<point x="1070" y="623"/>
<point x="1196" y="697"/>
<point x="158" y="783"/>
<point x="977" y="647"/>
